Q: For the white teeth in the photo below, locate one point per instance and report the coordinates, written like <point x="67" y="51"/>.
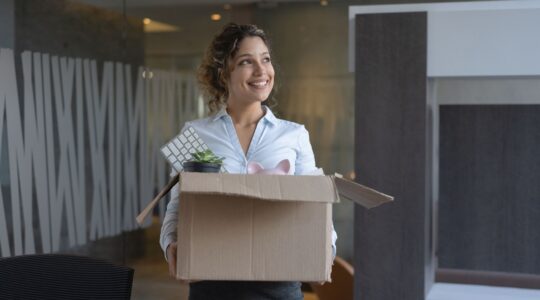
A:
<point x="259" y="83"/>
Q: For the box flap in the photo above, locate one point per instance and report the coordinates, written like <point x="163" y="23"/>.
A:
<point x="360" y="194"/>
<point x="260" y="186"/>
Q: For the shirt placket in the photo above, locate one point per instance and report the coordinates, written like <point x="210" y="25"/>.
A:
<point x="233" y="137"/>
<point x="255" y="139"/>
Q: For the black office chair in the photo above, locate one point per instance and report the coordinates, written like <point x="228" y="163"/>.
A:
<point x="54" y="276"/>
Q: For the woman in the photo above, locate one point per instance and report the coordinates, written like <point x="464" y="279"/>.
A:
<point x="238" y="76"/>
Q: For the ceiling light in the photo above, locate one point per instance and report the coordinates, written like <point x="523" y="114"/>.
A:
<point x="215" y="17"/>
<point x="147" y="74"/>
<point x="324" y="2"/>
<point x="146" y="21"/>
<point x="156" y="26"/>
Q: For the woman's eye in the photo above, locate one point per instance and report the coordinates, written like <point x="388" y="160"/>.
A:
<point x="244" y="62"/>
<point x="267" y="59"/>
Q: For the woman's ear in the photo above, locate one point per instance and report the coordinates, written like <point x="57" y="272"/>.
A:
<point x="254" y="167"/>
<point x="284" y="166"/>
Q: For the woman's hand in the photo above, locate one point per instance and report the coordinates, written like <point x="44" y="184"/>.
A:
<point x="171" y="258"/>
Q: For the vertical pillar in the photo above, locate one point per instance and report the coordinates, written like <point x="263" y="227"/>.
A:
<point x="391" y="135"/>
<point x="7" y="24"/>
<point x="7" y="40"/>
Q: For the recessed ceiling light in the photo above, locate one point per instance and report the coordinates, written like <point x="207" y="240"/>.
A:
<point x="324" y="2"/>
<point x="146" y="21"/>
<point x="215" y="17"/>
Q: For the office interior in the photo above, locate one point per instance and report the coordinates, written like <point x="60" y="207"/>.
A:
<point x="433" y="102"/>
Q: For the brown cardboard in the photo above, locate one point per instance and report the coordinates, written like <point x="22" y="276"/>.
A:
<point x="260" y="227"/>
<point x="360" y="194"/>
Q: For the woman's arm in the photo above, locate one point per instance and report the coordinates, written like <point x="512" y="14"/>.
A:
<point x="167" y="238"/>
<point x="305" y="164"/>
<point x="305" y="159"/>
<point x="168" y="228"/>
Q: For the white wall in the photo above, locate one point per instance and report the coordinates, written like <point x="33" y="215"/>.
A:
<point x="484" y="38"/>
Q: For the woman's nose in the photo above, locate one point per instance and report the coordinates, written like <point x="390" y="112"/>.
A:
<point x="259" y="69"/>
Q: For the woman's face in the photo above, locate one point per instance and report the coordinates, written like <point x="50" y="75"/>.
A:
<point x="251" y="78"/>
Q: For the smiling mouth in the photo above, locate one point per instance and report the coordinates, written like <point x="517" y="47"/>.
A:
<point x="259" y="84"/>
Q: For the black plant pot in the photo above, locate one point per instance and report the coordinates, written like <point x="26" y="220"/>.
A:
<point x="201" y="167"/>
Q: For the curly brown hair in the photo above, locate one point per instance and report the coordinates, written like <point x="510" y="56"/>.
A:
<point x="214" y="69"/>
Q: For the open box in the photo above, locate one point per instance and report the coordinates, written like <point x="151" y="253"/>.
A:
<point x="260" y="227"/>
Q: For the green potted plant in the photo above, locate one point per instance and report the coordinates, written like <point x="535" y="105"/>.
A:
<point x="204" y="162"/>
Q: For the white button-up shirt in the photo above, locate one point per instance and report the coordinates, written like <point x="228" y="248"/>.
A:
<point x="274" y="140"/>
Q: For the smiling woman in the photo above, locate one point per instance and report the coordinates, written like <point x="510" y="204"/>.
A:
<point x="240" y="51"/>
<point x="238" y="77"/>
<point x="251" y="72"/>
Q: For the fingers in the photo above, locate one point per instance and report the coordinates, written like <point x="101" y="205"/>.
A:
<point x="172" y="267"/>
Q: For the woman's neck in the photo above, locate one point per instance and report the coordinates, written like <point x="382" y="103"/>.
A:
<point x="245" y="115"/>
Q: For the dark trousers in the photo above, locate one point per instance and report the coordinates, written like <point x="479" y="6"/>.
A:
<point x="245" y="290"/>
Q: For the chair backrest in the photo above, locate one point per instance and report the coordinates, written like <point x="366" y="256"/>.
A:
<point x="54" y="276"/>
<point x="342" y="285"/>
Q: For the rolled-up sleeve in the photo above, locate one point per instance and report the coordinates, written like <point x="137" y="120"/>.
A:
<point x="305" y="164"/>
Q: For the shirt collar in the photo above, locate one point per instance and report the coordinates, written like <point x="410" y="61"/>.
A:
<point x="220" y="114"/>
<point x="268" y="116"/>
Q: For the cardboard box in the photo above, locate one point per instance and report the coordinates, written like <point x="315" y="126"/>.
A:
<point x="260" y="227"/>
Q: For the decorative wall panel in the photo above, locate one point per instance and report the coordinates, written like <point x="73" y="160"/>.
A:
<point x="489" y="202"/>
<point x="81" y="124"/>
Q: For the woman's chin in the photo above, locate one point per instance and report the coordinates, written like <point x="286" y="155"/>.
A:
<point x="251" y="98"/>
<point x="260" y="98"/>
